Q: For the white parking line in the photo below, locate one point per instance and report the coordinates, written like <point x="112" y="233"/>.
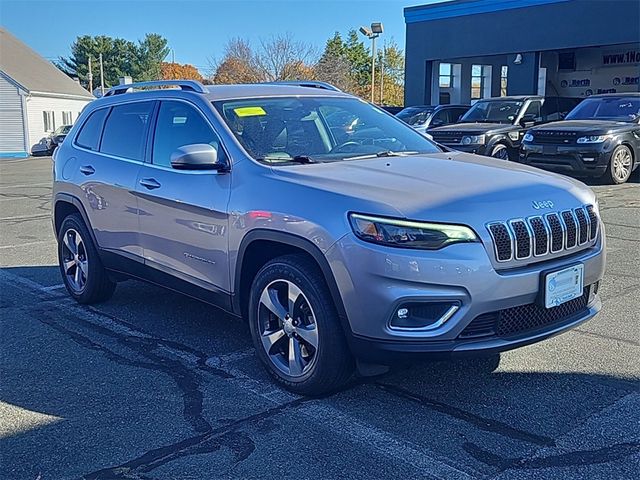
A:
<point x="25" y="185"/>
<point x="25" y="217"/>
<point x="27" y="244"/>
<point x="52" y="287"/>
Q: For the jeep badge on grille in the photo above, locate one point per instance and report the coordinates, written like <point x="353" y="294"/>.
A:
<point x="542" y="204"/>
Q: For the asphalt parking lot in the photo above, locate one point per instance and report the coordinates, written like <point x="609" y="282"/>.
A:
<point x="153" y="385"/>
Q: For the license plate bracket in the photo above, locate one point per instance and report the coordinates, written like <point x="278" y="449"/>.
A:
<point x="563" y="285"/>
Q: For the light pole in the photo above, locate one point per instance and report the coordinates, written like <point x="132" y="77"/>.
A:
<point x="372" y="33"/>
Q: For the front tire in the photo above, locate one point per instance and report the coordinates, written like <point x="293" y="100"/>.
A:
<point x="83" y="274"/>
<point x="620" y="165"/>
<point x="500" y="151"/>
<point x="295" y="327"/>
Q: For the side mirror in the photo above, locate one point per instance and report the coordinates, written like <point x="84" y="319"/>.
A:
<point x="199" y="156"/>
<point x="528" y="120"/>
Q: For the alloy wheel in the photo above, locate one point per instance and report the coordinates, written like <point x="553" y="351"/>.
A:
<point x="288" y="328"/>
<point x="622" y="164"/>
<point x="75" y="263"/>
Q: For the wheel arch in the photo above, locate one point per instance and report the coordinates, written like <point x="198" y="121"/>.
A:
<point x="261" y="245"/>
<point x="65" y="205"/>
<point x="634" y="158"/>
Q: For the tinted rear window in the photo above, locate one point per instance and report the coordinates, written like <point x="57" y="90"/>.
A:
<point x="89" y="136"/>
<point x="125" y="130"/>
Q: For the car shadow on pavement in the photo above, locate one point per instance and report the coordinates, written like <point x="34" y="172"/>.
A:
<point x="151" y="376"/>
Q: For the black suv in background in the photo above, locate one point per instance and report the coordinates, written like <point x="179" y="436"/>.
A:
<point x="425" y="117"/>
<point x="600" y="137"/>
<point x="495" y="126"/>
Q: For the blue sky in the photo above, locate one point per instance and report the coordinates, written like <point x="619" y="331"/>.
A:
<point x="196" y="30"/>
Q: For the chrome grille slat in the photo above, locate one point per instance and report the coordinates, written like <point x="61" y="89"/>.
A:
<point x="541" y="235"/>
<point x="593" y="220"/>
<point x="571" y="229"/>
<point x="557" y="232"/>
<point x="583" y="226"/>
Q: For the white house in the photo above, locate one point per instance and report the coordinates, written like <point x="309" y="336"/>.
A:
<point x="35" y="98"/>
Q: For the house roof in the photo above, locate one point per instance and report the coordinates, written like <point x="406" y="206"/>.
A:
<point x="32" y="72"/>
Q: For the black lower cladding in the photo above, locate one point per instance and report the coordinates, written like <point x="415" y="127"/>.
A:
<point x="524" y="318"/>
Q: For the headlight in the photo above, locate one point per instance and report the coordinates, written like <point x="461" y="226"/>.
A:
<point x="594" y="139"/>
<point x="527" y="137"/>
<point x="473" y="140"/>
<point x="407" y="234"/>
<point x="514" y="136"/>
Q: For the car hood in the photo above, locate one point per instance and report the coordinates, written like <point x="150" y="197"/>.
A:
<point x="474" y="128"/>
<point x="449" y="187"/>
<point x="585" y="126"/>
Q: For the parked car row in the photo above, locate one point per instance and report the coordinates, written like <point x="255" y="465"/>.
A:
<point x="597" y="137"/>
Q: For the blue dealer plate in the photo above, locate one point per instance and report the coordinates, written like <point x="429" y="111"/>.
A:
<point x="563" y="285"/>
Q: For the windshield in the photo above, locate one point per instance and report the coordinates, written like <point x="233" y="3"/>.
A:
<point x="505" y="111"/>
<point x="62" y="130"/>
<point x="621" y="109"/>
<point x="318" y="129"/>
<point x="415" y="115"/>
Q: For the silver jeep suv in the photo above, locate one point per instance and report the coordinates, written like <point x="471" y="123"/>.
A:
<point x="342" y="235"/>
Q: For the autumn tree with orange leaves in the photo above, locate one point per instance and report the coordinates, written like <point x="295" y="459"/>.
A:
<point x="179" y="71"/>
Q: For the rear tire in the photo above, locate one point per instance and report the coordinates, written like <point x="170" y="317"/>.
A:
<point x="83" y="274"/>
<point x="295" y="327"/>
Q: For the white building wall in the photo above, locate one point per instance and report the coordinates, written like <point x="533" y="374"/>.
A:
<point x="36" y="105"/>
<point x="11" y="119"/>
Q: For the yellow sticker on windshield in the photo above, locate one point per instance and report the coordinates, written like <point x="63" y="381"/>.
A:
<point x="249" y="111"/>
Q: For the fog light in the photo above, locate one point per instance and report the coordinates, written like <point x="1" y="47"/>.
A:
<point x="422" y="316"/>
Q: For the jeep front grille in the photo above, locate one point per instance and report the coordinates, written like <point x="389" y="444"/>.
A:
<point x="540" y="235"/>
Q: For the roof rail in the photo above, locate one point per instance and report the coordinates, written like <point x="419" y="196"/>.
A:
<point x="306" y="83"/>
<point x="188" y="85"/>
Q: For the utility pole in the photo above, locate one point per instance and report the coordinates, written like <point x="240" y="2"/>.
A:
<point x="373" y="66"/>
<point x="173" y="56"/>
<point x="382" y="76"/>
<point x="101" y="77"/>
<point x="372" y="33"/>
<point x="90" y="77"/>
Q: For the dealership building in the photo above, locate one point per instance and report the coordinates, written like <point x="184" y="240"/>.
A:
<point x="458" y="51"/>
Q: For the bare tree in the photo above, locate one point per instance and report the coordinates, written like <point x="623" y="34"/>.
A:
<point x="276" y="58"/>
<point x="239" y="64"/>
<point x="280" y="57"/>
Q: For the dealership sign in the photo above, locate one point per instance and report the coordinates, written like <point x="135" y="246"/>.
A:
<point x="620" y="57"/>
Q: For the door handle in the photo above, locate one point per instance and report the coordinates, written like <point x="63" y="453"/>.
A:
<point x="87" y="169"/>
<point x="149" y="183"/>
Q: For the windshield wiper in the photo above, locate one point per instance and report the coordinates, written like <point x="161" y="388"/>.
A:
<point x="304" y="159"/>
<point x="385" y="153"/>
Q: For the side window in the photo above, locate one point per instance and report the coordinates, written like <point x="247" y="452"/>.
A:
<point x="49" y="120"/>
<point x="89" y="136"/>
<point x="180" y="124"/>
<point x="125" y="130"/>
<point x="534" y="110"/>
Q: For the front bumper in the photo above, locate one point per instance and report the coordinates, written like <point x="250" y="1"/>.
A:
<point x="475" y="149"/>
<point x="581" y="160"/>
<point x="375" y="281"/>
